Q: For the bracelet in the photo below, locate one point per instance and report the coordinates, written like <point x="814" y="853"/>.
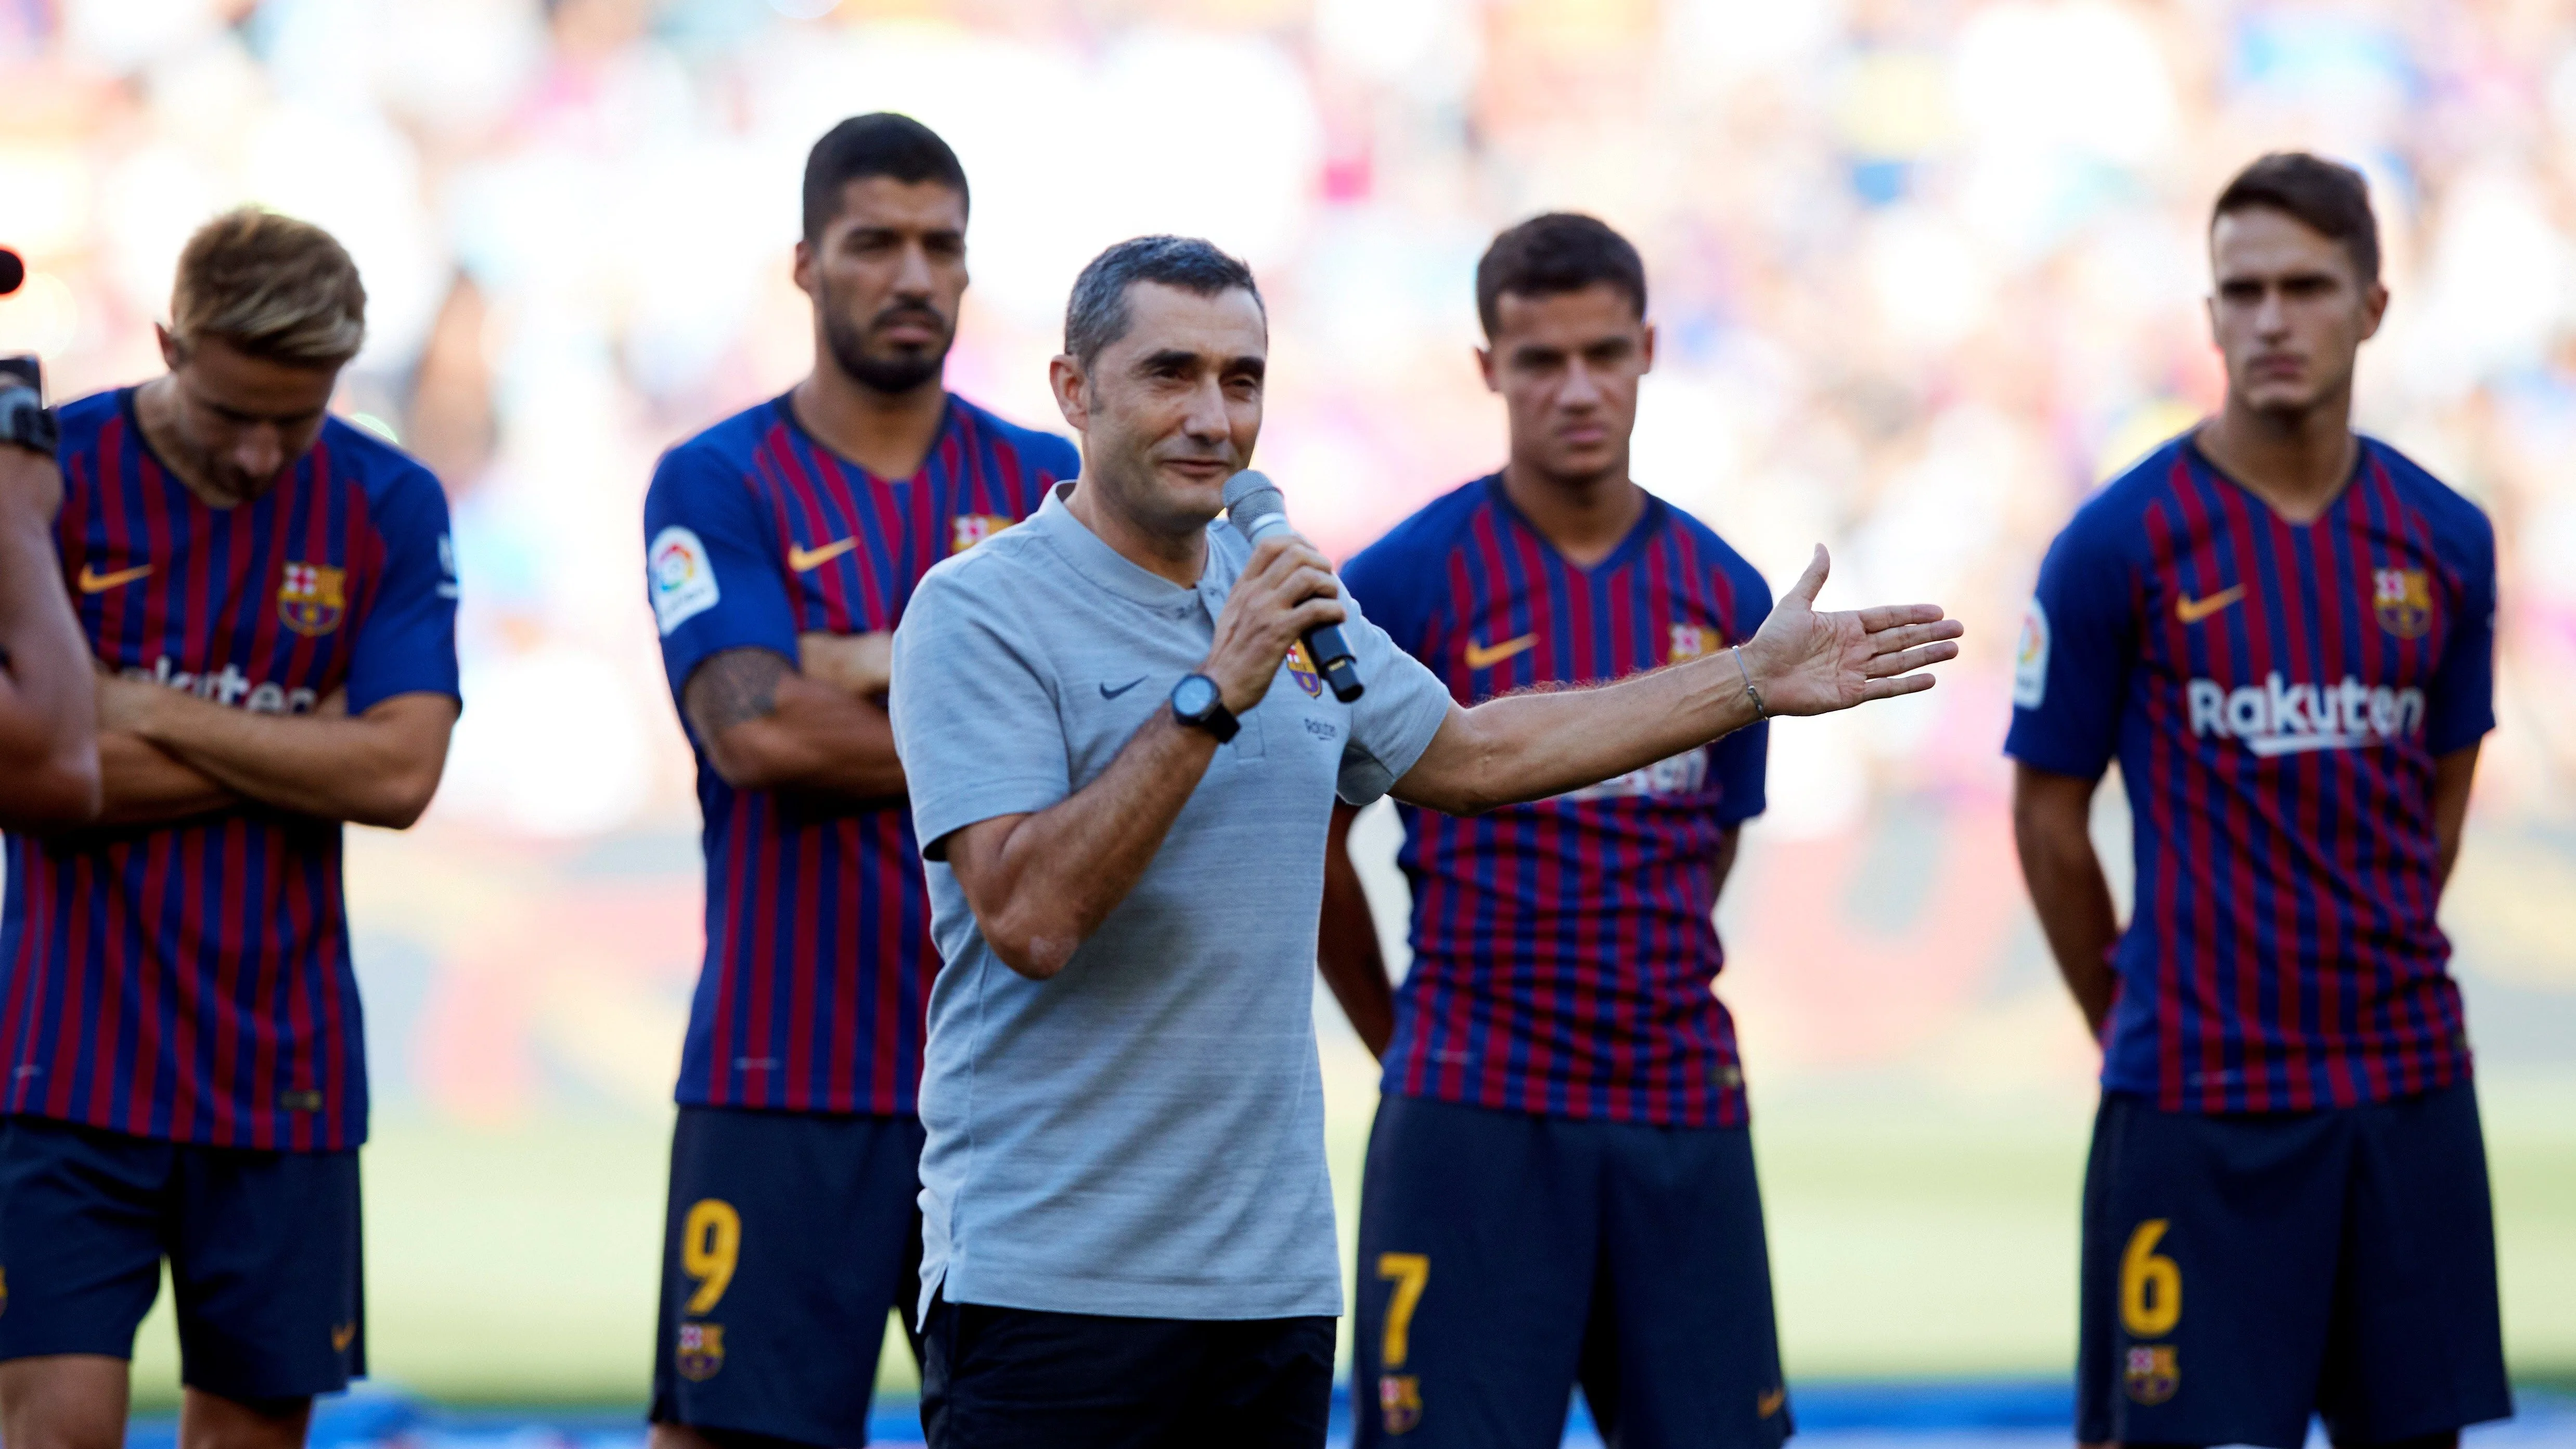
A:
<point x="1759" y="712"/>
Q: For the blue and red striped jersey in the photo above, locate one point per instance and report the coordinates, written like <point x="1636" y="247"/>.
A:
<point x="2276" y="695"/>
<point x="191" y="981"/>
<point x="1564" y="952"/>
<point x="819" y="956"/>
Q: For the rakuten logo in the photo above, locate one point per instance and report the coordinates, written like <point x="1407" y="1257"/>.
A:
<point x="2287" y="719"/>
<point x="229" y="686"/>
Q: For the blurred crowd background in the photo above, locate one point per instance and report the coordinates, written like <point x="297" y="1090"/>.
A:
<point x="1925" y="272"/>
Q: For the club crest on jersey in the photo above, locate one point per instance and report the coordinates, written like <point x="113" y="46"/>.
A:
<point x="1690" y="641"/>
<point x="2405" y="601"/>
<point x="1301" y="668"/>
<point x="2153" y="1374"/>
<point x="1399" y="1401"/>
<point x="969" y="529"/>
<point x="312" y="598"/>
<point x="701" y="1351"/>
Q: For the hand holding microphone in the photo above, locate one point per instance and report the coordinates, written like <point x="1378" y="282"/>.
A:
<point x="1258" y="512"/>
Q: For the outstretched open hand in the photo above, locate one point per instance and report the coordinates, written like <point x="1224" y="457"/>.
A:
<point x="1805" y="662"/>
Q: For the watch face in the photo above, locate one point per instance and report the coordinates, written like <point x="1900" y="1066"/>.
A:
<point x="1195" y="695"/>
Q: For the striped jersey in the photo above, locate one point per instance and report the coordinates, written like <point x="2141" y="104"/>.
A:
<point x="191" y="981"/>
<point x="2276" y="695"/>
<point x="819" y="956"/>
<point x="1564" y="952"/>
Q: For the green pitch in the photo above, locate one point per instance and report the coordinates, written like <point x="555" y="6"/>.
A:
<point x="1909" y="1236"/>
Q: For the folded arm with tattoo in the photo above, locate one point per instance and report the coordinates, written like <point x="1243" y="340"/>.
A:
<point x="766" y="724"/>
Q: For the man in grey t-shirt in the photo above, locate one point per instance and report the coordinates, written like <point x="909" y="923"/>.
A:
<point x="1122" y="765"/>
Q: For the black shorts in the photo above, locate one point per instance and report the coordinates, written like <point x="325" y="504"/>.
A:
<point x="1505" y="1257"/>
<point x="2243" y="1272"/>
<point x="263" y="1249"/>
<point x="1021" y="1378"/>
<point x="790" y="1235"/>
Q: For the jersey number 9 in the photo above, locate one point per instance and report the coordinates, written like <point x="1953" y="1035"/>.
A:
<point x="710" y="1246"/>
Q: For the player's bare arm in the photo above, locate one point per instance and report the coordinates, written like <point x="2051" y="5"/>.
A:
<point x="49" y="772"/>
<point x="767" y="726"/>
<point x="1346" y="948"/>
<point x="859" y="665"/>
<point x="2452" y="774"/>
<point x="1040" y="884"/>
<point x="144" y="784"/>
<point x="2052" y="830"/>
<point x="1532" y="745"/>
<point x="376" y="768"/>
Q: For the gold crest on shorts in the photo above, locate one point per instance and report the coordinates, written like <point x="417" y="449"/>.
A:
<point x="2153" y="1374"/>
<point x="1399" y="1401"/>
<point x="701" y="1351"/>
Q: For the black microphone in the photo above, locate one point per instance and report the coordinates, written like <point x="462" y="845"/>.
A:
<point x="12" y="271"/>
<point x="1254" y="507"/>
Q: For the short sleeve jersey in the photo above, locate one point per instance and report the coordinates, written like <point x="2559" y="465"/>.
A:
<point x="191" y="981"/>
<point x="1564" y="951"/>
<point x="2276" y="696"/>
<point x="1142" y="1133"/>
<point x="819" y="955"/>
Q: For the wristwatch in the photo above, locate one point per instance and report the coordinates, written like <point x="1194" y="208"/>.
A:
<point x="1198" y="703"/>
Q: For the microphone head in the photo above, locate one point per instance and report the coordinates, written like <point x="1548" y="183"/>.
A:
<point x="1251" y="499"/>
<point x="12" y="271"/>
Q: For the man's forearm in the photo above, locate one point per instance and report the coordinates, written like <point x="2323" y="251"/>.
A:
<point x="2051" y="831"/>
<point x="2452" y="775"/>
<point x="1346" y="948"/>
<point x="48" y="703"/>
<point x="378" y="769"/>
<point x="1040" y="884"/>
<point x="1533" y="745"/>
<point x="768" y="727"/>
<point x="147" y="785"/>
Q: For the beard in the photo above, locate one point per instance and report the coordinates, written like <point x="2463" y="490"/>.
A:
<point x="896" y="371"/>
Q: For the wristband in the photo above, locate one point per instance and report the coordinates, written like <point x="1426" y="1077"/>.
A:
<point x="1755" y="695"/>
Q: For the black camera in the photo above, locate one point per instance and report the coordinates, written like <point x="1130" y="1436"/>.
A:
<point x="24" y="419"/>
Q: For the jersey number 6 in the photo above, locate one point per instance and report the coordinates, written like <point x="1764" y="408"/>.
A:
<point x="2150" y="1284"/>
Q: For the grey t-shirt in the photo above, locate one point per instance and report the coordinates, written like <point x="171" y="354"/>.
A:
<point x="1143" y="1134"/>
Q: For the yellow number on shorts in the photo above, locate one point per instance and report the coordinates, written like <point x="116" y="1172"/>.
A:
<point x="1408" y="1271"/>
<point x="710" y="1245"/>
<point x="2150" y="1284"/>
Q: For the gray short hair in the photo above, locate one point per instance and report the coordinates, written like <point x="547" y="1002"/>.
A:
<point x="1097" y="314"/>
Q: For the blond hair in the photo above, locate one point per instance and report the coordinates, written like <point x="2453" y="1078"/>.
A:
<point x="274" y="287"/>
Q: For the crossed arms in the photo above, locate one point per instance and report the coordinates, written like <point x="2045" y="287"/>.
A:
<point x="817" y="726"/>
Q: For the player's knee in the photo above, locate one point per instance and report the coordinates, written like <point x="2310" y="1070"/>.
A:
<point x="2448" y="1439"/>
<point x="63" y="1401"/>
<point x="213" y="1421"/>
<point x="691" y="1436"/>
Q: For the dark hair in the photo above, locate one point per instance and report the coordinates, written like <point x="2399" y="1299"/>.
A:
<point x="1097" y="314"/>
<point x="880" y="143"/>
<point x="1562" y="251"/>
<point x="2326" y="195"/>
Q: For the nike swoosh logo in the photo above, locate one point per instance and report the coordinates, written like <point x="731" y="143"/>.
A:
<point x="1107" y="693"/>
<point x="1768" y="1402"/>
<point x="2191" y="611"/>
<point x="1481" y="657"/>
<point x="340" y="1336"/>
<point x="801" y="558"/>
<point x="94" y="582"/>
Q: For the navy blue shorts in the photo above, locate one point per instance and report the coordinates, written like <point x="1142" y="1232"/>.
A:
<point x="2242" y="1272"/>
<point x="263" y="1249"/>
<point x="790" y="1236"/>
<point x="1506" y="1257"/>
<point x="1023" y="1378"/>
